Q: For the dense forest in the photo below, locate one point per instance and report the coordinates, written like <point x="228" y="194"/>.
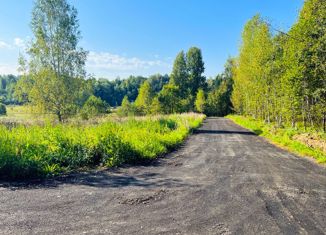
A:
<point x="113" y="92"/>
<point x="109" y="91"/>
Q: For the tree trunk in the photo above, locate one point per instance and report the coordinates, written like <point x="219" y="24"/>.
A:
<point x="280" y="121"/>
<point x="324" y="122"/>
<point x="59" y="115"/>
<point x="304" y="113"/>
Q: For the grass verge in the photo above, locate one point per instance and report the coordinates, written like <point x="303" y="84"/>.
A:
<point x="282" y="137"/>
<point x="40" y="151"/>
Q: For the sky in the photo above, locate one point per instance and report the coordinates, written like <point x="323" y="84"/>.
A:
<point x="142" y="37"/>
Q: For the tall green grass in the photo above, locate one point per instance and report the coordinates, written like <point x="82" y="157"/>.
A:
<point x="281" y="136"/>
<point x="39" y="151"/>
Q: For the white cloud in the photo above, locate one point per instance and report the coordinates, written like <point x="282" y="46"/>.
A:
<point x="18" y="42"/>
<point x="8" y="59"/>
<point x="8" y="69"/>
<point x="105" y="60"/>
<point x="4" y="45"/>
<point x="108" y="65"/>
<point x="98" y="63"/>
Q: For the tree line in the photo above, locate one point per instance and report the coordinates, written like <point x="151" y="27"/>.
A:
<point x="114" y="91"/>
<point x="281" y="76"/>
<point x="110" y="91"/>
<point x="186" y="91"/>
<point x="53" y="76"/>
<point x="277" y="77"/>
<point x="175" y="96"/>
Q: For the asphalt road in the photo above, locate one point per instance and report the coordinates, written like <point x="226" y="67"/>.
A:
<point x="223" y="180"/>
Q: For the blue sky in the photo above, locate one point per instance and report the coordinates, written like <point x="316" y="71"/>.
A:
<point x="142" y="37"/>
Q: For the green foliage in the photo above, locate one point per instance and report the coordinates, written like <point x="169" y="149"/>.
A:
<point x="93" y="107"/>
<point x="7" y="87"/>
<point x="37" y="151"/>
<point x="3" y="109"/>
<point x="155" y="106"/>
<point x="126" y="108"/>
<point x="114" y="91"/>
<point x="169" y="99"/>
<point x="200" y="101"/>
<point x="179" y="75"/>
<point x="219" y="92"/>
<point x="280" y="136"/>
<point x="185" y="104"/>
<point x="144" y="99"/>
<point x="157" y="81"/>
<point x="253" y="70"/>
<point x="305" y="60"/>
<point x="186" y="79"/>
<point x="281" y="78"/>
<point x="217" y="104"/>
<point x="58" y="98"/>
<point x="55" y="70"/>
<point x="195" y="66"/>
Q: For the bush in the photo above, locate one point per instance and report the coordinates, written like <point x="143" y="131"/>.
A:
<point x="93" y="107"/>
<point x="3" y="110"/>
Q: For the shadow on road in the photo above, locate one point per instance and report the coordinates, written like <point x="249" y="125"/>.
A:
<point x="201" y="131"/>
<point x="125" y="176"/>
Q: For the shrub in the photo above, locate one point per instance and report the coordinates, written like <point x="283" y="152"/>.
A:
<point x="200" y="101"/>
<point x="126" y="108"/>
<point x="94" y="106"/>
<point x="3" y="110"/>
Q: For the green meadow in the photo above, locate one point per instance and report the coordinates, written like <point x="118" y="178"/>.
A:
<point x="44" y="150"/>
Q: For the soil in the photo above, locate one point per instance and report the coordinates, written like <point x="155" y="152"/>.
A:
<point x="312" y="140"/>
